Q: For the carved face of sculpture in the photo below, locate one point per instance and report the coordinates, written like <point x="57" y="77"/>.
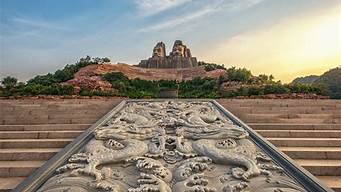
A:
<point x="179" y="50"/>
<point x="158" y="52"/>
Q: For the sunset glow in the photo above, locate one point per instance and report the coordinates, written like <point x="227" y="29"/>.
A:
<point x="304" y="45"/>
<point x="285" y="38"/>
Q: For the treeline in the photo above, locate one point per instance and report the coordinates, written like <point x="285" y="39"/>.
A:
<point x="201" y="87"/>
<point x="242" y="80"/>
<point x="273" y="88"/>
<point x="49" y="84"/>
<point x="330" y="81"/>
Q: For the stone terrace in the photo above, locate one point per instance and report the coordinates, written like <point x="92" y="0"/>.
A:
<point x="32" y="131"/>
<point x="309" y="131"/>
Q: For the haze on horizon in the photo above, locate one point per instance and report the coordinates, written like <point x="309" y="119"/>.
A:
<point x="285" y="38"/>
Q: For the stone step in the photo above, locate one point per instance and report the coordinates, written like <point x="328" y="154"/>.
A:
<point x="301" y="133"/>
<point x="18" y="168"/>
<point x="54" y="109"/>
<point x="38" y="134"/>
<point x="51" y="103"/>
<point x="305" y="142"/>
<point x="38" y="120"/>
<point x="333" y="182"/>
<point x="45" y="127"/>
<point x="33" y="143"/>
<point x="293" y="126"/>
<point x="30" y="101"/>
<point x="282" y="105"/>
<point x="312" y="152"/>
<point x="283" y="101"/>
<point x="303" y="119"/>
<point x="51" y="109"/>
<point x="321" y="167"/>
<point x="9" y="183"/>
<point x="45" y="116"/>
<point x="292" y="116"/>
<point x="26" y="154"/>
<point x="295" y="121"/>
<point x="284" y="110"/>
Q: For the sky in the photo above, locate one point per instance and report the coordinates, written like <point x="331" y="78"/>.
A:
<point x="286" y="38"/>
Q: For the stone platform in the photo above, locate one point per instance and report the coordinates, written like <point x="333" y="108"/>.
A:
<point x="32" y="131"/>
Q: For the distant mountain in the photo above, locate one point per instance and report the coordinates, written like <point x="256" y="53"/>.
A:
<point x="330" y="81"/>
<point x="306" y="80"/>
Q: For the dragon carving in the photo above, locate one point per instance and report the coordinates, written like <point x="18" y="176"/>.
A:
<point x="164" y="146"/>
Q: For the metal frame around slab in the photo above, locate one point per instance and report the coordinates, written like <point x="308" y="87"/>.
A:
<point x="302" y="176"/>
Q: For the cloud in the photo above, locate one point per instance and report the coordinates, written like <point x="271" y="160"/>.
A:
<point x="179" y="20"/>
<point x="204" y="10"/>
<point x="238" y="5"/>
<point x="303" y="45"/>
<point x="152" y="7"/>
<point x="39" y="24"/>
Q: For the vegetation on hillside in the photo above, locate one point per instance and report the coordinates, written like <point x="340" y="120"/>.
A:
<point x="305" y="80"/>
<point x="236" y="82"/>
<point x="211" y="66"/>
<point x="49" y="84"/>
<point x="67" y="72"/>
<point x="329" y="82"/>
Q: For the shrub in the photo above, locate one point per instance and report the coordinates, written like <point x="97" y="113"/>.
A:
<point x="240" y="74"/>
<point x="88" y="92"/>
<point x="55" y="89"/>
<point x="330" y="82"/>
<point x="67" y="72"/>
<point x="165" y="84"/>
<point x="9" y="82"/>
<point x="199" y="88"/>
<point x="211" y="66"/>
<point x="9" y="86"/>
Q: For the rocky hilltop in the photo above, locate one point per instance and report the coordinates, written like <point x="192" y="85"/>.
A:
<point x="178" y="71"/>
<point x="91" y="75"/>
<point x="179" y="65"/>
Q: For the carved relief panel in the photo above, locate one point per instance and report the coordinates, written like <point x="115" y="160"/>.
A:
<point x="168" y="146"/>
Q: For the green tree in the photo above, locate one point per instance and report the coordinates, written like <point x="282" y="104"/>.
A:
<point x="9" y="82"/>
<point x="240" y="74"/>
<point x="211" y="66"/>
<point x="330" y="82"/>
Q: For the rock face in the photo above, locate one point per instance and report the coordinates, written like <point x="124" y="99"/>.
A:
<point x="90" y="76"/>
<point x="180" y="57"/>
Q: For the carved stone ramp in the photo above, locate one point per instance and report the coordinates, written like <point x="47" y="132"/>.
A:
<point x="170" y="145"/>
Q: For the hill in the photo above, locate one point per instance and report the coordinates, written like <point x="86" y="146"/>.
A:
<point x="306" y="80"/>
<point x="91" y="75"/>
<point x="329" y="81"/>
<point x="98" y="77"/>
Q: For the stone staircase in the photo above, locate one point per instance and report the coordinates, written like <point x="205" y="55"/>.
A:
<point x="32" y="131"/>
<point x="309" y="131"/>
